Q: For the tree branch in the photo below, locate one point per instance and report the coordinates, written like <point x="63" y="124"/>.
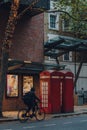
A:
<point x="53" y="11"/>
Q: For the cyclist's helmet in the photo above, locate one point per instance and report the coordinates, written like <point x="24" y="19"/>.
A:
<point x="33" y="89"/>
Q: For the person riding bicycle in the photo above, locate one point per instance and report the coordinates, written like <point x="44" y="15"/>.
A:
<point x="34" y="110"/>
<point x="30" y="99"/>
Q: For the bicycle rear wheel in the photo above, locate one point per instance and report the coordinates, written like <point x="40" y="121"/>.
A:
<point x="40" y="114"/>
<point x="22" y="115"/>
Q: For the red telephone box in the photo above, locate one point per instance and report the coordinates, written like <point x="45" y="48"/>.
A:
<point x="50" y="91"/>
<point x="67" y="91"/>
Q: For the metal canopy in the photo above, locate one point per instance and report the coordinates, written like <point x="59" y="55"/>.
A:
<point x="63" y="44"/>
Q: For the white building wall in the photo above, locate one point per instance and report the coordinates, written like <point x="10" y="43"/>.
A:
<point x="82" y="80"/>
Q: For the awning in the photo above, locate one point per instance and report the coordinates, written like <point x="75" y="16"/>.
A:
<point x="22" y="67"/>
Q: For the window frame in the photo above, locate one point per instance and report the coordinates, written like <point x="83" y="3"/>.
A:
<point x="56" y="21"/>
<point x="66" y="27"/>
<point x="69" y="56"/>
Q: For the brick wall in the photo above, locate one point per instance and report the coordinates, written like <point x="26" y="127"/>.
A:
<point x="28" y="37"/>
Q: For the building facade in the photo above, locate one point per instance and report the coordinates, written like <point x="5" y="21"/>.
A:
<point x="54" y="27"/>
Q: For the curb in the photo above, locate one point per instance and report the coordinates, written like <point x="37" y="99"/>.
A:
<point x="7" y="119"/>
<point x="69" y="114"/>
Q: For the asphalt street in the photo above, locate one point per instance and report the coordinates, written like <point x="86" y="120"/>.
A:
<point x="62" y="123"/>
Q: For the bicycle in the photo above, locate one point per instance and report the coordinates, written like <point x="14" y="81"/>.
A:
<point x="25" y="114"/>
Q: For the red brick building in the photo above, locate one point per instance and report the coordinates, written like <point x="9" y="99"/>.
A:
<point x="26" y="54"/>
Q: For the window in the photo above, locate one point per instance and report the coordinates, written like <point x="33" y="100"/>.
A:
<point x="44" y="91"/>
<point x="67" y="56"/>
<point x="12" y="85"/>
<point x="66" y="25"/>
<point x="53" y="21"/>
<point x="27" y="83"/>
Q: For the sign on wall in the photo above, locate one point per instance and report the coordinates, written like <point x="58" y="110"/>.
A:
<point x="12" y="85"/>
<point x="27" y="83"/>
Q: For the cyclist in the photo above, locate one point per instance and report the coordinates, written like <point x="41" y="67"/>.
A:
<point x="30" y="99"/>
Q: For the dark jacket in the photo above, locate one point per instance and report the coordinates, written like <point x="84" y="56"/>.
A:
<point x="30" y="98"/>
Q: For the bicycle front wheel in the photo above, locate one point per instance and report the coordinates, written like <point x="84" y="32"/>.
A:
<point x="22" y="115"/>
<point x="40" y="114"/>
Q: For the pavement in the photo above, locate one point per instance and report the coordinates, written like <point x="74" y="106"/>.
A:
<point x="12" y="115"/>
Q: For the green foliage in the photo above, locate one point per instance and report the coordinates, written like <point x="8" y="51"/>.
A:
<point x="76" y="12"/>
